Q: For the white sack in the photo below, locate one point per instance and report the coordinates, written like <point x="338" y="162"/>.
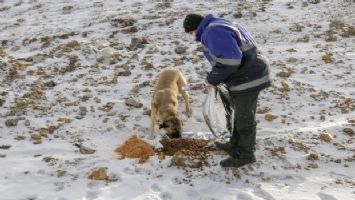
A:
<point x="217" y="117"/>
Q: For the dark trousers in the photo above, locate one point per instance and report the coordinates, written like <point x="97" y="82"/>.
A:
<point x="243" y="138"/>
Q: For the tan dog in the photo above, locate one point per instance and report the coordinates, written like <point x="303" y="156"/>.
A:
<point x="165" y="103"/>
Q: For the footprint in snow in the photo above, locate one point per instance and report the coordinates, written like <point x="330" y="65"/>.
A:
<point x="128" y="171"/>
<point x="156" y="188"/>
<point x="244" y="196"/>
<point x="92" y="185"/>
<point x="193" y="194"/>
<point x="41" y="172"/>
<point x="177" y="180"/>
<point x="166" y="195"/>
<point x="30" y="197"/>
<point x="140" y="170"/>
<point x="59" y="186"/>
<point x="92" y="194"/>
<point x="324" y="196"/>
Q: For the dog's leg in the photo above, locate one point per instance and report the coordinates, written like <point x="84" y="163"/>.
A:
<point x="182" y="85"/>
<point x="153" y="115"/>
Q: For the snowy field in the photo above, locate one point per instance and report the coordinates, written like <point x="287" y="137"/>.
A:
<point x="82" y="72"/>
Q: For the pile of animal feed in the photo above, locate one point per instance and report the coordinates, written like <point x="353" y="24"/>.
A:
<point x="186" y="152"/>
<point x="191" y="146"/>
<point x="136" y="148"/>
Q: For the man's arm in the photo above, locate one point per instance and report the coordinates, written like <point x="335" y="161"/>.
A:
<point x="224" y="53"/>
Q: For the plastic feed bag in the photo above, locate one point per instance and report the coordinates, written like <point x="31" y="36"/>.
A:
<point x="218" y="114"/>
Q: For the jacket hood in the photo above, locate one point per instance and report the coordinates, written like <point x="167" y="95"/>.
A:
<point x="203" y="24"/>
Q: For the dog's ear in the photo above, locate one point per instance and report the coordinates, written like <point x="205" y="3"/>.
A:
<point x="163" y="125"/>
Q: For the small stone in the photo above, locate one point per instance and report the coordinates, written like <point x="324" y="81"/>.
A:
<point x="105" y="120"/>
<point x="263" y="110"/>
<point x="111" y="114"/>
<point x="314" y="1"/>
<point x="128" y="30"/>
<point x="86" y="97"/>
<point x="313" y="165"/>
<point x="270" y="117"/>
<point x="21" y="118"/>
<point x="43" y="134"/>
<point x="67" y="9"/>
<point x="144" y="84"/>
<point x="137" y="43"/>
<point x="50" y="159"/>
<point x="312" y="157"/>
<point x="292" y="60"/>
<point x="64" y="120"/>
<point x="37" y="142"/>
<point x="2" y="101"/>
<point x="82" y="110"/>
<point x="61" y="173"/>
<point x="238" y="14"/>
<point x="99" y="174"/>
<point x="285" y="87"/>
<point x="36" y="136"/>
<point x="50" y="84"/>
<point x="51" y="129"/>
<point x="148" y="65"/>
<point x="38" y="58"/>
<point x="349" y="131"/>
<point x="284" y="74"/>
<point x="120" y="157"/>
<point x="326" y="137"/>
<point x="133" y="103"/>
<point x="291" y="50"/>
<point x="11" y="122"/>
<point x="124" y="73"/>
<point x="182" y="160"/>
<point x="20" y="137"/>
<point x="79" y="117"/>
<point x="107" y="107"/>
<point x="180" y="50"/>
<point x="85" y="150"/>
<point x="5" y="147"/>
<point x="327" y="58"/>
<point x="147" y="112"/>
<point x="27" y="122"/>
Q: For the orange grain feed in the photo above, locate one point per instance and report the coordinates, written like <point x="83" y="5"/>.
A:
<point x="136" y="148"/>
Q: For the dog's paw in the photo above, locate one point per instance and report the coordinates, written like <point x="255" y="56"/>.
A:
<point x="151" y="137"/>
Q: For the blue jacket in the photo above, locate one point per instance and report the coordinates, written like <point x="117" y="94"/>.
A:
<point x="233" y="55"/>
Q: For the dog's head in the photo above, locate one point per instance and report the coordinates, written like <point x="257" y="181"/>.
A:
<point x="173" y="126"/>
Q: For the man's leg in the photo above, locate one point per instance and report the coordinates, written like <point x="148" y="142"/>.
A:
<point x="230" y="146"/>
<point x="244" y="134"/>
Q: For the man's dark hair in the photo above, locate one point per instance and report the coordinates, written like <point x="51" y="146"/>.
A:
<point x="192" y="21"/>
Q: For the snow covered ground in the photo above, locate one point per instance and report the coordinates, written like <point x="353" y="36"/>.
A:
<point x="82" y="72"/>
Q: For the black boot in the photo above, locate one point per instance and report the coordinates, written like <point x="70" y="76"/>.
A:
<point x="237" y="162"/>
<point x="227" y="147"/>
<point x="230" y="146"/>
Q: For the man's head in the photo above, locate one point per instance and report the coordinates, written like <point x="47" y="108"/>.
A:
<point x="191" y="22"/>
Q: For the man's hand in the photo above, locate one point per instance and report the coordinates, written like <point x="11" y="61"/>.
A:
<point x="208" y="84"/>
